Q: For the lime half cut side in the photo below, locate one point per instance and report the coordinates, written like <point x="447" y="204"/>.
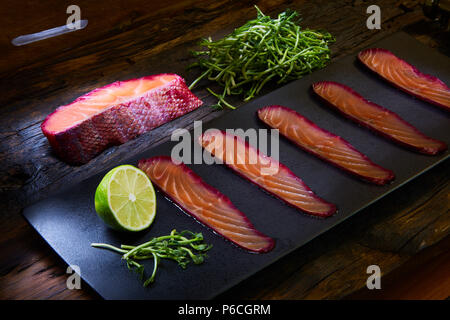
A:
<point x="125" y="199"/>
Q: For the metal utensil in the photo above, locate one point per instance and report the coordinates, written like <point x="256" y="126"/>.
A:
<point x="45" y="34"/>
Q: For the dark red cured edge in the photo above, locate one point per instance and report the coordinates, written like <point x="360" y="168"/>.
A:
<point x="390" y="176"/>
<point x="413" y="68"/>
<point x="332" y="206"/>
<point x="66" y="144"/>
<point x="427" y="151"/>
<point x="198" y="179"/>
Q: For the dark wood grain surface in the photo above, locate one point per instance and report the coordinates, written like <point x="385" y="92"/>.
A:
<point x="126" y="39"/>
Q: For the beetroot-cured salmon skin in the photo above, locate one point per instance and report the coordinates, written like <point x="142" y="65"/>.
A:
<point x="323" y="144"/>
<point x="115" y="114"/>
<point x="204" y="203"/>
<point x="406" y="77"/>
<point x="375" y="117"/>
<point x="265" y="172"/>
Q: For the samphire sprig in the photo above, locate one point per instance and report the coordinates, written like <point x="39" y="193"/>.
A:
<point x="260" y="51"/>
<point x="181" y="247"/>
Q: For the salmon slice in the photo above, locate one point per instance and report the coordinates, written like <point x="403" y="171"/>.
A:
<point x="204" y="203"/>
<point x="406" y="77"/>
<point x="116" y="113"/>
<point x="323" y="144"/>
<point x="265" y="172"/>
<point x="376" y="118"/>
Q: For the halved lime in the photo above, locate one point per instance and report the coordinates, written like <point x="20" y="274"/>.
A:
<point x="125" y="199"/>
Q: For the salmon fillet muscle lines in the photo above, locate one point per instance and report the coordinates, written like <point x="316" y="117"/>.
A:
<point x="376" y="118"/>
<point x="204" y="203"/>
<point x="323" y="144"/>
<point x="116" y="113"/>
<point x="265" y="172"/>
<point x="406" y="77"/>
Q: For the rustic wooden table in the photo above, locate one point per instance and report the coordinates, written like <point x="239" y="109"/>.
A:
<point x="406" y="233"/>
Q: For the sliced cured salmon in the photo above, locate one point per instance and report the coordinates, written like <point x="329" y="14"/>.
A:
<point x="116" y="113"/>
<point x="204" y="203"/>
<point x="323" y="144"/>
<point x="406" y="77"/>
<point x="376" y="118"/>
<point x="265" y="172"/>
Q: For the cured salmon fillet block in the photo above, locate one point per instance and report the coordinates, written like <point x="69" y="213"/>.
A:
<point x="116" y="113"/>
<point x="265" y="172"/>
<point x="376" y="118"/>
<point x="204" y="203"/>
<point x="323" y="144"/>
<point x="406" y="77"/>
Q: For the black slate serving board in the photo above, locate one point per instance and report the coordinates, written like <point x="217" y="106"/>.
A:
<point x="67" y="220"/>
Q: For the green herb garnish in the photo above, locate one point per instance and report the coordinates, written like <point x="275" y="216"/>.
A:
<point x="180" y="247"/>
<point x="260" y="51"/>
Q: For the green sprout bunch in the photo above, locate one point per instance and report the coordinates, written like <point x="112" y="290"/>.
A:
<point x="181" y="247"/>
<point x="261" y="50"/>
